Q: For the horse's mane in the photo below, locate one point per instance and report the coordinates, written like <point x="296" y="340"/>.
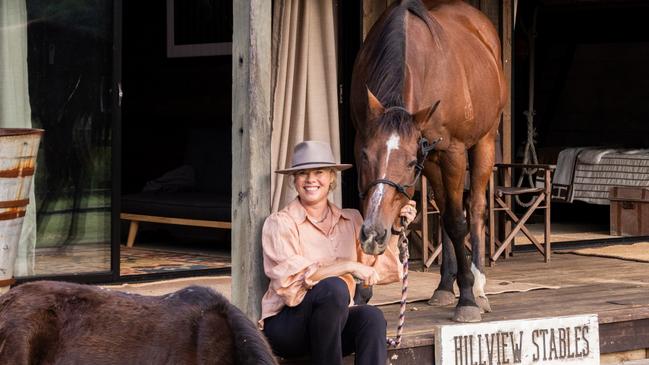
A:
<point x="387" y="61"/>
<point x="386" y="57"/>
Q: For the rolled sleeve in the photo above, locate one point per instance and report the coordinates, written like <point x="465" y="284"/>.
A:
<point x="284" y="264"/>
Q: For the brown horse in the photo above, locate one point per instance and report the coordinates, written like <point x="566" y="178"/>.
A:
<point x="430" y="75"/>
<point x="61" y="323"/>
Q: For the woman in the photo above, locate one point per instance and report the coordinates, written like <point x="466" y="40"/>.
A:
<point x="311" y="257"/>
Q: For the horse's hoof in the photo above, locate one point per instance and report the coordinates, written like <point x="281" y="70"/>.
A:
<point x="483" y="303"/>
<point x="467" y="314"/>
<point x="441" y="298"/>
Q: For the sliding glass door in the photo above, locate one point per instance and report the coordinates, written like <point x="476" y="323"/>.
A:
<point x="72" y="93"/>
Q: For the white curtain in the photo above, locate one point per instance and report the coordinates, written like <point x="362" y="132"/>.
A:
<point x="305" y="97"/>
<point x="15" y="111"/>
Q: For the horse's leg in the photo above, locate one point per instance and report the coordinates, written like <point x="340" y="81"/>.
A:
<point x="443" y="295"/>
<point x="453" y="164"/>
<point x="481" y="159"/>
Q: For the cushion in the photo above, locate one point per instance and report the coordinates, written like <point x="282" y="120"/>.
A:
<point x="188" y="205"/>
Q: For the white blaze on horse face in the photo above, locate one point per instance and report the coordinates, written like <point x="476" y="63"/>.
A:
<point x="391" y="145"/>
<point x="375" y="202"/>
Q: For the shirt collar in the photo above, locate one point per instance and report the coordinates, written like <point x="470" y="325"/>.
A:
<point x="296" y="211"/>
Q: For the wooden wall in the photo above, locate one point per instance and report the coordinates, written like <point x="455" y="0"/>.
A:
<point x="251" y="137"/>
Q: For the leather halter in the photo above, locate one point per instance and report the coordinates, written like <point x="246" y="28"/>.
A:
<point x="424" y="148"/>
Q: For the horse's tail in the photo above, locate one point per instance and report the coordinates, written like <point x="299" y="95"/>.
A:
<point x="250" y="345"/>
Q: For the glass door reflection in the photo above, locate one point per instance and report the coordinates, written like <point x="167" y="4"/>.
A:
<point x="70" y="68"/>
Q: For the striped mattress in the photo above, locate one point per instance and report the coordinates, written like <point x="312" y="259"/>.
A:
<point x="587" y="174"/>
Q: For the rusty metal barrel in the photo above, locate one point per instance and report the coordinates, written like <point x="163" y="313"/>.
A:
<point x="18" y="151"/>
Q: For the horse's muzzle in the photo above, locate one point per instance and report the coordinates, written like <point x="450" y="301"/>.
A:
<point x="373" y="239"/>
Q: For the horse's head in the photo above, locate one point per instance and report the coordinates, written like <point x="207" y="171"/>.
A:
<point x="389" y="153"/>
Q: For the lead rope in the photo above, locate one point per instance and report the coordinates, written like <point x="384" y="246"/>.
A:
<point x="404" y="255"/>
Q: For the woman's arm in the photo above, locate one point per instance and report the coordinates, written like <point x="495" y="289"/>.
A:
<point x="367" y="274"/>
<point x="284" y="264"/>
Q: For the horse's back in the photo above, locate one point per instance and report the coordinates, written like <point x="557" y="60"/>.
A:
<point x="470" y="29"/>
<point x="63" y="323"/>
<point x="79" y="324"/>
<point x="461" y="66"/>
<point x="460" y="17"/>
<point x="452" y="51"/>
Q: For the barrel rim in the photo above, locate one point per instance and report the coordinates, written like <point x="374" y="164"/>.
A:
<point x="7" y="282"/>
<point x="21" y="203"/>
<point x="8" y="132"/>
<point x="12" y="214"/>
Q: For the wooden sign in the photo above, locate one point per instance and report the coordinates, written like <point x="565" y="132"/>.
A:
<point x="557" y="340"/>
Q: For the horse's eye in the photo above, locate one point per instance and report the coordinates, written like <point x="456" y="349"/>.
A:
<point x="364" y="157"/>
<point x="412" y="164"/>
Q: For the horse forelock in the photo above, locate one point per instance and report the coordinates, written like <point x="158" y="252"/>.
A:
<point x="395" y="122"/>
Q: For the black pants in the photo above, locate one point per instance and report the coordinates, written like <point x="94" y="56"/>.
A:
<point x="326" y="328"/>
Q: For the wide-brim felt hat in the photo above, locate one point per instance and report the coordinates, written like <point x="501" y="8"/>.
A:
<point x="313" y="155"/>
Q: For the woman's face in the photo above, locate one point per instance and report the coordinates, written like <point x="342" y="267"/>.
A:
<point x="313" y="185"/>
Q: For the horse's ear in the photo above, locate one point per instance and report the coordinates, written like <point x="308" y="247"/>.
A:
<point x="424" y="114"/>
<point x="374" y="106"/>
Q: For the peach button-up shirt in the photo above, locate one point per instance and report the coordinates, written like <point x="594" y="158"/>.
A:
<point x="294" y="248"/>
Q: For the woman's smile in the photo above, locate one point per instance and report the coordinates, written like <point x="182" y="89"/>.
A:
<point x="312" y="189"/>
<point x="313" y="185"/>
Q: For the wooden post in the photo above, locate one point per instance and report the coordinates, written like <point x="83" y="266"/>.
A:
<point x="501" y="14"/>
<point x="425" y="234"/>
<point x="372" y="9"/>
<point x="251" y="137"/>
<point x="506" y="128"/>
<point x="507" y="35"/>
<point x="491" y="8"/>
<point x="474" y="3"/>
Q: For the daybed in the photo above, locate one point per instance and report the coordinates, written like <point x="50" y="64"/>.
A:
<point x="195" y="194"/>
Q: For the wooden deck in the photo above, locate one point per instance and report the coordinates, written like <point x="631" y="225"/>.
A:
<point x="616" y="290"/>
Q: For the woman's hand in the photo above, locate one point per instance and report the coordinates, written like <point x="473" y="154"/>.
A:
<point x="409" y="212"/>
<point x="365" y="273"/>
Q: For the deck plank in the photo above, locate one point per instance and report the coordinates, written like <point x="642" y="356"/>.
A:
<point x="616" y="290"/>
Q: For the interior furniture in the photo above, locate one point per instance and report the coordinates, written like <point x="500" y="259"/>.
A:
<point x="195" y="194"/>
<point x="428" y="228"/>
<point x="629" y="212"/>
<point x="587" y="174"/>
<point x="501" y="207"/>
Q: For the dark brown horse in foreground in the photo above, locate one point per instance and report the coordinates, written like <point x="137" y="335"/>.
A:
<point x="62" y="323"/>
<point x="430" y="75"/>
